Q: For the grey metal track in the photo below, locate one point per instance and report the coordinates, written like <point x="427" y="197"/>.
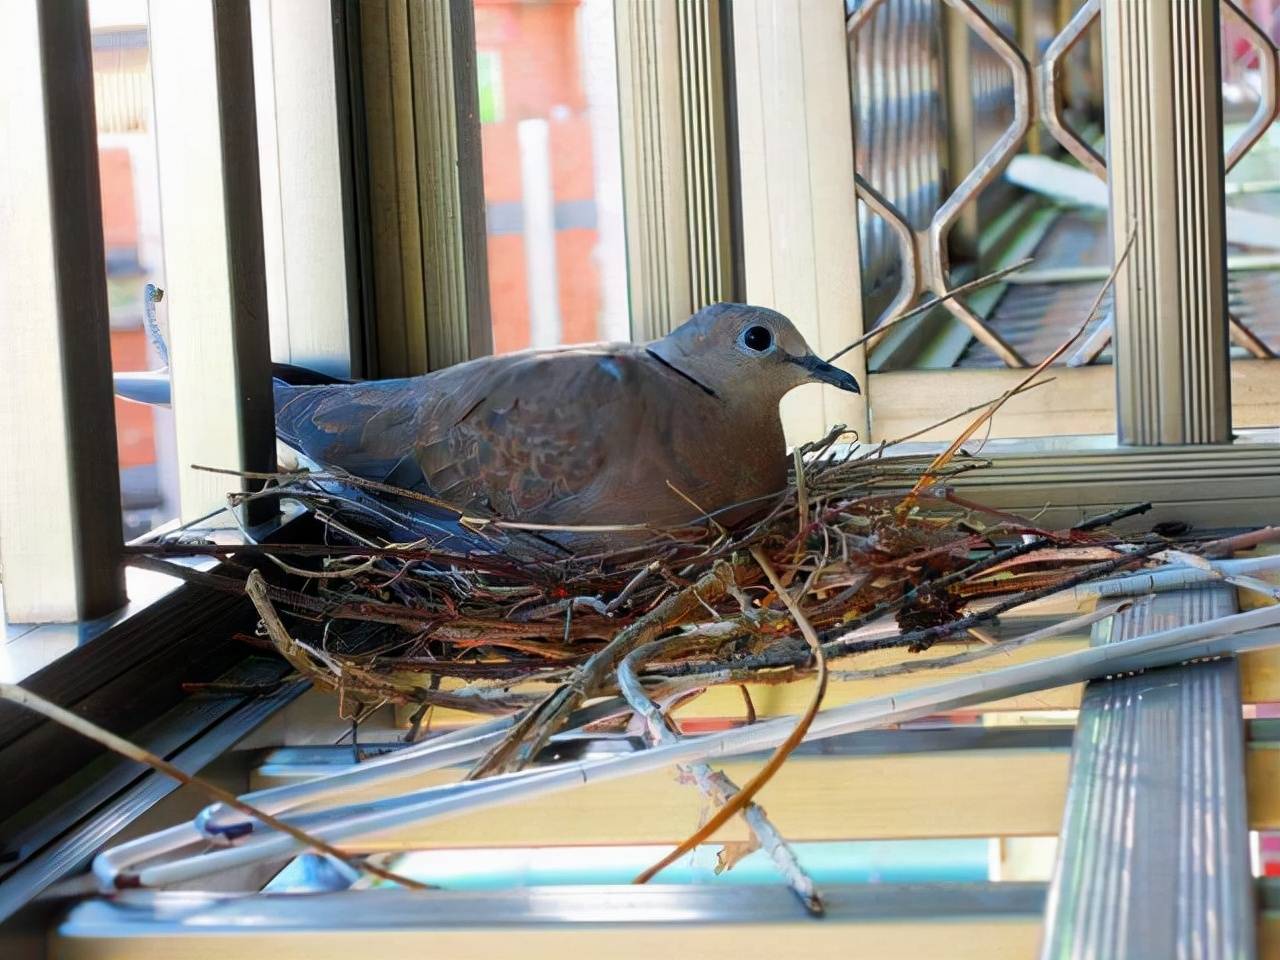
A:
<point x="1154" y="851"/>
<point x="73" y="849"/>
<point x="321" y="758"/>
<point x="151" y="914"/>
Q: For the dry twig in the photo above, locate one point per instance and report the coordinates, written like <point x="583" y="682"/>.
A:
<point x="736" y="803"/>
<point x="16" y="694"/>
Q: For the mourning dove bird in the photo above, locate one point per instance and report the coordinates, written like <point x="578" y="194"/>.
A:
<point x="658" y="434"/>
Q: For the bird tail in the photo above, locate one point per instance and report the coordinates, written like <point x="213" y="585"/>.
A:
<point x="153" y="387"/>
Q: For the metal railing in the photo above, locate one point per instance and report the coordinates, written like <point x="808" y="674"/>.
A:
<point x="924" y="251"/>
<point x="899" y="93"/>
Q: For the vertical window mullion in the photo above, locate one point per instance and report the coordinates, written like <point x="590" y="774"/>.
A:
<point x="1163" y="94"/>
<point x="675" y="160"/>
<point x="60" y="517"/>
<point x="211" y="217"/>
<point x="799" y="213"/>
<point x="426" y="210"/>
<point x="306" y="225"/>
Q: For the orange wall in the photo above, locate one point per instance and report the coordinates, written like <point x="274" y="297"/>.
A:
<point x="135" y="439"/>
<point x="119" y="220"/>
<point x="135" y="432"/>
<point x="539" y="53"/>
<point x="538" y="48"/>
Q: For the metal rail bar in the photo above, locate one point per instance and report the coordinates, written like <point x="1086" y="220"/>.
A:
<point x="624" y="921"/>
<point x="73" y="850"/>
<point x="116" y="867"/>
<point x="1154" y="851"/>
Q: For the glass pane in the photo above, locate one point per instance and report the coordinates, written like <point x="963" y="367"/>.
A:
<point x="1253" y="257"/>
<point x="131" y="234"/>
<point x="552" y="172"/>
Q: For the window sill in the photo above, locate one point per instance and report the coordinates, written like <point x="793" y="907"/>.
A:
<point x="29" y="648"/>
<point x="121" y="671"/>
<point x="1061" y="480"/>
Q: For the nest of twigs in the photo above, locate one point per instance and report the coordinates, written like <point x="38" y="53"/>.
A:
<point x="416" y="603"/>
<point x="855" y="538"/>
<point x="476" y="611"/>
<point x="399" y="598"/>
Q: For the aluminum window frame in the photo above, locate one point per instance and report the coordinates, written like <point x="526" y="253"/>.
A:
<point x="1081" y="471"/>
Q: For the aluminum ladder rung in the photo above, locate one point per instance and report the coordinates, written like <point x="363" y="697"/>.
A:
<point x="1153" y="858"/>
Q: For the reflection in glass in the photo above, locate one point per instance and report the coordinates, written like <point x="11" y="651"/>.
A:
<point x="548" y="104"/>
<point x="131" y="234"/>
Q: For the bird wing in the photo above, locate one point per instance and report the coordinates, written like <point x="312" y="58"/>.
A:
<point x="539" y="435"/>
<point x="363" y="428"/>
<point x="516" y="433"/>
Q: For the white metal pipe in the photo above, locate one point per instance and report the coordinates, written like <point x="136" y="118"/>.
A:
<point x="215" y="823"/>
<point x="457" y="747"/>
<point x="1172" y="577"/>
<point x="460" y="746"/>
<point x="539" y="205"/>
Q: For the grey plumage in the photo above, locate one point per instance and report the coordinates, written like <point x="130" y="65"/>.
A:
<point x="592" y="435"/>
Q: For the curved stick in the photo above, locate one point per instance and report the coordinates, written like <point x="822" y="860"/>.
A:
<point x="714" y="784"/>
<point x="737" y="803"/>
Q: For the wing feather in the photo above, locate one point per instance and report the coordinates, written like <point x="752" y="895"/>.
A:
<point x="363" y="428"/>
<point x="533" y="440"/>
<point x="515" y="434"/>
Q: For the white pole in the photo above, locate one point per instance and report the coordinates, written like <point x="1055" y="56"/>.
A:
<point x="541" y="277"/>
<point x="1223" y="636"/>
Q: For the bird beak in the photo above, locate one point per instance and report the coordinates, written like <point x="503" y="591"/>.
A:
<point x="824" y="372"/>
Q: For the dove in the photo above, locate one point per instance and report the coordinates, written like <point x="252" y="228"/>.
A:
<point x="578" y="438"/>
<point x="659" y="434"/>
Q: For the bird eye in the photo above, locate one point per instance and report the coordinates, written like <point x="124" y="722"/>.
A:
<point x="757" y="338"/>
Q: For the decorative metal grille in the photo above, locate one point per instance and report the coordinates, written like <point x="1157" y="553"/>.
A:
<point x="899" y="137"/>
<point x="898" y="173"/>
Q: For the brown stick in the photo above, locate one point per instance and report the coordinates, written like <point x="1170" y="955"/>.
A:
<point x="930" y="304"/>
<point x="1242" y="541"/>
<point x="16" y="694"/>
<point x="744" y="796"/>
<point x="537" y="726"/>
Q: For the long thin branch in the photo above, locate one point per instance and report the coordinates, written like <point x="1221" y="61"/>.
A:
<point x="940" y="461"/>
<point x="1243" y="541"/>
<point x="720" y="674"/>
<point x="923" y="638"/>
<point x="931" y="303"/>
<point x="736" y="803"/>
<point x="16" y="694"/>
<point x="927" y="587"/>
<point x="837" y="642"/>
<point x="1000" y="648"/>
<point x="716" y="786"/>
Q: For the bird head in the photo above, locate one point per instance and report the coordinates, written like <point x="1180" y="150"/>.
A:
<point x="735" y="343"/>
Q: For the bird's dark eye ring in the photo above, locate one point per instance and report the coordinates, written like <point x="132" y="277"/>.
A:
<point x="757" y="338"/>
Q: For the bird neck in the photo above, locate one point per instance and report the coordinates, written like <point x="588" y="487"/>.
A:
<point x="670" y="363"/>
